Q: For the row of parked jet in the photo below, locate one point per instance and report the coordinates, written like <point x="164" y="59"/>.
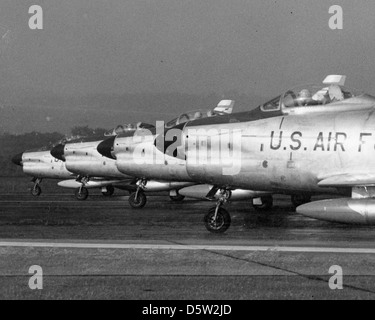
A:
<point x="312" y="139"/>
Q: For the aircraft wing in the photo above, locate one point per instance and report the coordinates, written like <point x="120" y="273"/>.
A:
<point x="348" y="180"/>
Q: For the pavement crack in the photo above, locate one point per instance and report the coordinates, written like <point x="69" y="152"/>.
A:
<point x="305" y="276"/>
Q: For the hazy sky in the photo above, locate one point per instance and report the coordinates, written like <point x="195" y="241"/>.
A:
<point x="115" y="47"/>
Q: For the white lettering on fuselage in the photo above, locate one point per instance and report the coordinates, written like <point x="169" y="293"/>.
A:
<point x="324" y="141"/>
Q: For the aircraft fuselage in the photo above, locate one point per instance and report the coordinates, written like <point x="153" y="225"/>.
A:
<point x="285" y="153"/>
<point x="84" y="159"/>
<point x="41" y="164"/>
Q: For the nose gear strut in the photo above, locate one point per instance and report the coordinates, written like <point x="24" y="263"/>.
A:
<point x="218" y="220"/>
<point x="36" y="189"/>
<point x="138" y="199"/>
<point x="82" y="193"/>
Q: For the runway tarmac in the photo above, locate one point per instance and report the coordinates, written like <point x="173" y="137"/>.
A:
<point x="101" y="248"/>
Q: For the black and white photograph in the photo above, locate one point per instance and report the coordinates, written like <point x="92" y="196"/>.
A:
<point x="187" y="156"/>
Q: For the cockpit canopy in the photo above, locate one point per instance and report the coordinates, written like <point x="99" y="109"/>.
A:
<point x="189" y="116"/>
<point x="131" y="127"/>
<point x="224" y="107"/>
<point x="315" y="95"/>
<point x="310" y="95"/>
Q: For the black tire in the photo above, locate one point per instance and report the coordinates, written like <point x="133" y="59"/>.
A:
<point x="177" y="198"/>
<point x="267" y="204"/>
<point x="222" y="222"/>
<point x="138" y="203"/>
<point x="110" y="191"/>
<point x="300" y="199"/>
<point x="83" y="195"/>
<point x="36" y="191"/>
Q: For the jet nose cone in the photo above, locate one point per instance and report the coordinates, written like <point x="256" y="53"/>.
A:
<point x="58" y="152"/>
<point x="17" y="159"/>
<point x="105" y="148"/>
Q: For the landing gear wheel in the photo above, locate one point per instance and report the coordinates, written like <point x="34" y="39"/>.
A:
<point x="267" y="204"/>
<point x="110" y="191"/>
<point x="300" y="199"/>
<point x="81" y="194"/>
<point x="138" y="200"/>
<point x="220" y="224"/>
<point x="177" y="198"/>
<point x="36" y="191"/>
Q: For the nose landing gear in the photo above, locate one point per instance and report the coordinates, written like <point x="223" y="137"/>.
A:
<point x="82" y="193"/>
<point x="218" y="220"/>
<point x="138" y="199"/>
<point x="36" y="189"/>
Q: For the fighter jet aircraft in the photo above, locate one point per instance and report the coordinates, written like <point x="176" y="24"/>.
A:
<point x="40" y="165"/>
<point x="82" y="158"/>
<point x="135" y="154"/>
<point x="312" y="139"/>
